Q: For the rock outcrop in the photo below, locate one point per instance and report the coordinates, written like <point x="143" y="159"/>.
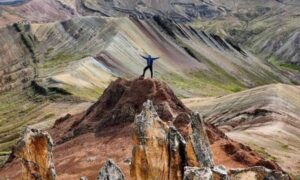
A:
<point x="161" y="151"/>
<point x="195" y="173"/>
<point x="156" y="152"/>
<point x="35" y="152"/>
<point x="198" y="149"/>
<point x="110" y="171"/>
<point x="220" y="173"/>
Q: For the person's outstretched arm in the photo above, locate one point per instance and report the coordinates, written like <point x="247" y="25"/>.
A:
<point x="143" y="57"/>
<point x="155" y="58"/>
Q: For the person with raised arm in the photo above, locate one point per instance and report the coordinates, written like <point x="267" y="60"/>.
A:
<point x="150" y="61"/>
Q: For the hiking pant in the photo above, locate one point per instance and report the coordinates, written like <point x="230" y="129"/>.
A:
<point x="151" y="70"/>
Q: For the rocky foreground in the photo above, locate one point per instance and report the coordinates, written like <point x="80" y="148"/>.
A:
<point x="137" y="130"/>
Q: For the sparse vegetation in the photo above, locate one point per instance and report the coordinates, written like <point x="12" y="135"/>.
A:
<point x="284" y="66"/>
<point x="57" y="63"/>
<point x="285" y="146"/>
<point x="48" y="116"/>
<point x="20" y="109"/>
<point x="262" y="151"/>
<point x="4" y="153"/>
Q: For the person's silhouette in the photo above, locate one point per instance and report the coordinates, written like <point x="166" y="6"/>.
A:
<point x="150" y="61"/>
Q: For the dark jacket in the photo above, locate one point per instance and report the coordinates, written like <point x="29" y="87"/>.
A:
<point x="150" y="60"/>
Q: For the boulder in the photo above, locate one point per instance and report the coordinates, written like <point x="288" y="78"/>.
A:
<point x="220" y="173"/>
<point x="35" y="151"/>
<point x="196" y="173"/>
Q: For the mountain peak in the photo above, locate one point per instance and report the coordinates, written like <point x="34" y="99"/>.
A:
<point x="120" y="102"/>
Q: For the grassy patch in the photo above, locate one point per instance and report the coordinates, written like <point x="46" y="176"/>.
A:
<point x="4" y="153"/>
<point x="85" y="94"/>
<point x="284" y="66"/>
<point x="284" y="146"/>
<point x="262" y="152"/>
<point x="235" y="89"/>
<point x="48" y="116"/>
<point x="57" y="63"/>
<point x="57" y="60"/>
<point x="290" y="66"/>
<point x="17" y="109"/>
<point x="22" y="108"/>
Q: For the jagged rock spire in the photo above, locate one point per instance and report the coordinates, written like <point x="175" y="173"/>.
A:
<point x="199" y="152"/>
<point x="35" y="151"/>
<point x="158" y="148"/>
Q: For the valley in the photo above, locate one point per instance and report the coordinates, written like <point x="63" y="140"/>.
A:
<point x="235" y="62"/>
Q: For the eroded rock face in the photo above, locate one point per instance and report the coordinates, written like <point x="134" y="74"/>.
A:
<point x="35" y="152"/>
<point x="110" y="171"/>
<point x="198" y="148"/>
<point x="158" y="150"/>
<point x="161" y="152"/>
<point x="16" y="57"/>
<point x="257" y="173"/>
<point x="176" y="153"/>
<point x="151" y="151"/>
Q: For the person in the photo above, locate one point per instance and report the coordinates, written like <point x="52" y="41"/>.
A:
<point x="150" y="61"/>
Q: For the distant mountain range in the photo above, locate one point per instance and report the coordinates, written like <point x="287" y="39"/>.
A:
<point x="58" y="57"/>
